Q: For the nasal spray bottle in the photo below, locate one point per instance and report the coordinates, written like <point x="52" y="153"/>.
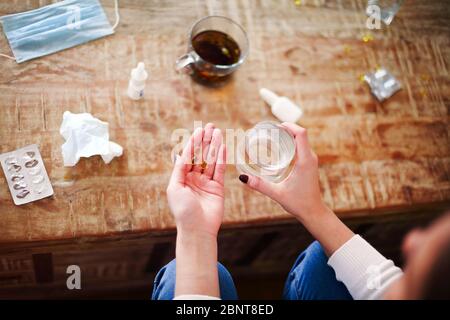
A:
<point x="137" y="82"/>
<point x="282" y="108"/>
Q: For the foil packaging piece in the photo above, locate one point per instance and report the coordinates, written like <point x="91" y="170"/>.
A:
<point x="387" y="9"/>
<point x="26" y="175"/>
<point x="382" y="84"/>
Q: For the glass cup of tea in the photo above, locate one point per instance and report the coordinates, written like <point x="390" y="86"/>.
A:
<point x="217" y="47"/>
<point x="266" y="151"/>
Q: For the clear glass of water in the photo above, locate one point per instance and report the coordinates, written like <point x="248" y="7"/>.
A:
<point x="266" y="151"/>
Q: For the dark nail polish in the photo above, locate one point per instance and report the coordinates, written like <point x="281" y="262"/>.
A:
<point x="243" y="178"/>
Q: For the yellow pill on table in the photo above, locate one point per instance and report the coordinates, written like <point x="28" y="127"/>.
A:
<point x="361" y="78"/>
<point x="367" y="37"/>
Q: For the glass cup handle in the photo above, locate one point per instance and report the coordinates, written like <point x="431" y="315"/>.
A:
<point x="184" y="63"/>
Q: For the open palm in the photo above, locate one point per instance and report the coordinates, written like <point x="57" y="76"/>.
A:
<point x="196" y="188"/>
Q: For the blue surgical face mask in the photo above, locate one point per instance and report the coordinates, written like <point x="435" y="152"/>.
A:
<point x="55" y="27"/>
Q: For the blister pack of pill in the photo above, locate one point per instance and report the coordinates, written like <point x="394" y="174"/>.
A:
<point x="26" y="175"/>
<point x="382" y="84"/>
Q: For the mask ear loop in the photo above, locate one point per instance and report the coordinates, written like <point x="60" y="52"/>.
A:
<point x="116" y="9"/>
<point x="6" y="56"/>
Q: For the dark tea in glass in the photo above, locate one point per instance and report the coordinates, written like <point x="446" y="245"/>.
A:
<point x="217" y="47"/>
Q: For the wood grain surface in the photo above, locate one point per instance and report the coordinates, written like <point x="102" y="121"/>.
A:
<point x="374" y="157"/>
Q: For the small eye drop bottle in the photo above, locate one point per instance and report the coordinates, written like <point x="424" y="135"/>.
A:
<point x="136" y="85"/>
<point x="282" y="108"/>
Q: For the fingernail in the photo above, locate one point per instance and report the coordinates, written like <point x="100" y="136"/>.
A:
<point x="243" y="178"/>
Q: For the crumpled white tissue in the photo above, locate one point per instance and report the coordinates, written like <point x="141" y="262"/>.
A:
<point x="86" y="136"/>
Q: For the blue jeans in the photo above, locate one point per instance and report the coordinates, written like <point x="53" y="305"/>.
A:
<point x="309" y="279"/>
<point x="164" y="284"/>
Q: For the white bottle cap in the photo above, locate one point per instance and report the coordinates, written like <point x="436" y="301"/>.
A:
<point x="139" y="74"/>
<point x="268" y="96"/>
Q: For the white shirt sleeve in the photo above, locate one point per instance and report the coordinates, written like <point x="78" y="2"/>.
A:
<point x="363" y="270"/>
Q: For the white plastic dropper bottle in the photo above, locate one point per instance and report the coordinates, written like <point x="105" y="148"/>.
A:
<point x="137" y="82"/>
<point x="282" y="108"/>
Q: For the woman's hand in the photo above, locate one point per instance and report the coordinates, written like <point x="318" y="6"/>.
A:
<point x="196" y="188"/>
<point x="299" y="193"/>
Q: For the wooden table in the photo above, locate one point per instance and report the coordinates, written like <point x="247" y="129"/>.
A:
<point x="374" y="157"/>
